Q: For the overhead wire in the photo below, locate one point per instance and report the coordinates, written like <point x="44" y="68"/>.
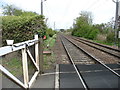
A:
<point x="98" y="6"/>
<point x="93" y="4"/>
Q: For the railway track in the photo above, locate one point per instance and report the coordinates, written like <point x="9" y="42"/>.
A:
<point x="109" y="50"/>
<point x="89" y="57"/>
<point x="107" y="56"/>
<point x="79" y="56"/>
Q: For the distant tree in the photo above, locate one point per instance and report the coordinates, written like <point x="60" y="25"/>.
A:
<point x="29" y="13"/>
<point x="50" y="32"/>
<point x="62" y="30"/>
<point x="8" y="10"/>
<point x="13" y="10"/>
<point x="17" y="12"/>
<point x="83" y="26"/>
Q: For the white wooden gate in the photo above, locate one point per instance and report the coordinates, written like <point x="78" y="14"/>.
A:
<point x="25" y="51"/>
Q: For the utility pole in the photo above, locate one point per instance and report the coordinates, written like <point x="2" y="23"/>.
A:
<point x="54" y="25"/>
<point x="116" y="20"/>
<point x="42" y="6"/>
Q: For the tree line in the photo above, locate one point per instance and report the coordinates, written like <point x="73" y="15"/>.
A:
<point x="83" y="27"/>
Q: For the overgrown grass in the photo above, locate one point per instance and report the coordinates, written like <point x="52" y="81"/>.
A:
<point x="49" y="42"/>
<point x="14" y="66"/>
<point x="102" y="42"/>
<point x="49" y="60"/>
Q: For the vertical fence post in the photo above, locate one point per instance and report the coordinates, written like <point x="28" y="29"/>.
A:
<point x="41" y="55"/>
<point x="25" y="67"/>
<point x="37" y="51"/>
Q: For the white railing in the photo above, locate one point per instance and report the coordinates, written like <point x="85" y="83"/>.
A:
<point x="25" y="51"/>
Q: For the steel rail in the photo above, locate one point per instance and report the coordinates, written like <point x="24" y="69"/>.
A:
<point x="98" y="44"/>
<point x="76" y="68"/>
<point x="98" y="48"/>
<point x="94" y="58"/>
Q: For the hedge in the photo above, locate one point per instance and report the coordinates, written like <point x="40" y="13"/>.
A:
<point x="22" y="28"/>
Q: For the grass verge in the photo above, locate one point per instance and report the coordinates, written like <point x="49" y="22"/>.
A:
<point x="49" y="60"/>
<point x="14" y="66"/>
<point x="102" y="42"/>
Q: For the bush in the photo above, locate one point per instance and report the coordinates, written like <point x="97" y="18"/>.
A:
<point x="22" y="28"/>
<point x="50" y="32"/>
<point x="93" y="34"/>
<point x="110" y="37"/>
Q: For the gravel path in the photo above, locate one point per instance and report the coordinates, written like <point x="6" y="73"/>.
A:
<point x="60" y="53"/>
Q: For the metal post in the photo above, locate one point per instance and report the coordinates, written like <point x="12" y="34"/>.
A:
<point x="116" y="20"/>
<point x="54" y="25"/>
<point x="119" y="40"/>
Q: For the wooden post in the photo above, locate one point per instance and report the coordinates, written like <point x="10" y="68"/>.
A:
<point x="25" y="67"/>
<point x="37" y="51"/>
<point x="41" y="55"/>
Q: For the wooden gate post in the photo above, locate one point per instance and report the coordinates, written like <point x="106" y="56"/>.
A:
<point x="25" y="67"/>
<point x="37" y="51"/>
<point x="41" y="55"/>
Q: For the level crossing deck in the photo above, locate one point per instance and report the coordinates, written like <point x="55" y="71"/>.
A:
<point x="95" y="76"/>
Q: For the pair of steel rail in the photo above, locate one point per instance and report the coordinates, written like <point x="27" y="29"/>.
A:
<point x="103" y="46"/>
<point x="91" y="56"/>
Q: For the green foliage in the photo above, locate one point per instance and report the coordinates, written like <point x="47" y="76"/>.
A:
<point x="12" y="10"/>
<point x="28" y="13"/>
<point x="8" y="10"/>
<point x="110" y="37"/>
<point x="92" y="34"/>
<point x="14" y="65"/>
<point x="83" y="26"/>
<point x="22" y="28"/>
<point x="50" y="32"/>
<point x="62" y="30"/>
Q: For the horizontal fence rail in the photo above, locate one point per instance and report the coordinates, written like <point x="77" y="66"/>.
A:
<point x="24" y="47"/>
<point x="9" y="49"/>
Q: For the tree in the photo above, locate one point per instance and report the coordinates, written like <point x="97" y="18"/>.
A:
<point x="11" y="10"/>
<point x="87" y="16"/>
<point x="8" y="10"/>
<point x="83" y="26"/>
<point x="62" y="30"/>
<point x="50" y="32"/>
<point x="15" y="11"/>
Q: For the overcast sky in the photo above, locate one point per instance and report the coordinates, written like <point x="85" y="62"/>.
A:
<point x="63" y="12"/>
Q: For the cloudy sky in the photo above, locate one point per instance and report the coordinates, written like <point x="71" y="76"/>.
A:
<point x="63" y="12"/>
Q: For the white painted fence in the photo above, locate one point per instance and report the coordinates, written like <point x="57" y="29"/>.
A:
<point x="25" y="51"/>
